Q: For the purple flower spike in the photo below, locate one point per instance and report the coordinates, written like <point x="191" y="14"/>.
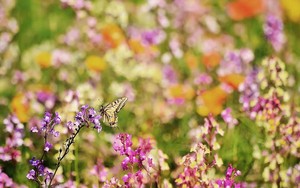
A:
<point x="86" y="116"/>
<point x="47" y="125"/>
<point x="273" y="29"/>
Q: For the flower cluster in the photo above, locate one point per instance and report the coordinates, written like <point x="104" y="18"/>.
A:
<point x="272" y="79"/>
<point x="275" y="154"/>
<point x="39" y="170"/>
<point x="228" y="181"/>
<point x="15" y="129"/>
<point x="194" y="168"/>
<point x="47" y="128"/>
<point x="290" y="139"/>
<point x="292" y="176"/>
<point x="123" y="145"/>
<point x="114" y="182"/>
<point x="236" y="62"/>
<point x="270" y="110"/>
<point x="249" y="90"/>
<point x="273" y="29"/>
<point x="85" y="117"/>
<point x="273" y="74"/>
<point x="47" y="125"/>
<point x="8" y="27"/>
<point x="187" y="58"/>
<point x="209" y="131"/>
<point x="199" y="162"/>
<point x="6" y="181"/>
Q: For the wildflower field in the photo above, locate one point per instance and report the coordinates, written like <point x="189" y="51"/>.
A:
<point x="150" y="93"/>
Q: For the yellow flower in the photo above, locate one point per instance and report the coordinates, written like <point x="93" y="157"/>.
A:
<point x="95" y="63"/>
<point x="20" y="108"/>
<point x="153" y="50"/>
<point x="176" y="91"/>
<point x="43" y="59"/>
<point x="292" y="9"/>
<point x="136" y="45"/>
<point x="181" y="91"/>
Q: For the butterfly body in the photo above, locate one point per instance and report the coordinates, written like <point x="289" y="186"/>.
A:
<point x="109" y="112"/>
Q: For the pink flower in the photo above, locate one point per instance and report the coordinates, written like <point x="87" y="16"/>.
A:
<point x="228" y="118"/>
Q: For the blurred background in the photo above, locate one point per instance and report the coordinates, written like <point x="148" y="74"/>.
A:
<point x="176" y="61"/>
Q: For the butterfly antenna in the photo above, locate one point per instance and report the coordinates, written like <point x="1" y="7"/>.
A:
<point x="100" y="101"/>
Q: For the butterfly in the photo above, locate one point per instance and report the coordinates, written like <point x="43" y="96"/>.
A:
<point x="110" y="111"/>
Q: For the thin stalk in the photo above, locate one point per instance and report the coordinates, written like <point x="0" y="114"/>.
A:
<point x="69" y="142"/>
<point x="76" y="161"/>
<point x="148" y="175"/>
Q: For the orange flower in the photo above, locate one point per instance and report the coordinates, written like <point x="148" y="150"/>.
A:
<point x="136" y="45"/>
<point x="95" y="63"/>
<point x="213" y="100"/>
<point x="191" y="60"/>
<point x="204" y="111"/>
<point x="234" y="80"/>
<point x="241" y="9"/>
<point x="43" y="59"/>
<point x="212" y="59"/>
<point x="113" y="35"/>
<point x="20" y="108"/>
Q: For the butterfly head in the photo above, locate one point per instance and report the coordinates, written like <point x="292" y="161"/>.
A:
<point x="101" y="107"/>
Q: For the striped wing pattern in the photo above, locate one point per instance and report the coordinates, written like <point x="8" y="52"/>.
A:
<point x="110" y="111"/>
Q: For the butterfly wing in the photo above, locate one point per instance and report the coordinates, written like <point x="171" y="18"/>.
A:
<point x="121" y="104"/>
<point x="110" y="111"/>
<point x="105" y="115"/>
<point x="114" y="121"/>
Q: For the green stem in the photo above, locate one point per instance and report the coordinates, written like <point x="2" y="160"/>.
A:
<point x="69" y="142"/>
<point x="57" y="166"/>
<point x="76" y="161"/>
